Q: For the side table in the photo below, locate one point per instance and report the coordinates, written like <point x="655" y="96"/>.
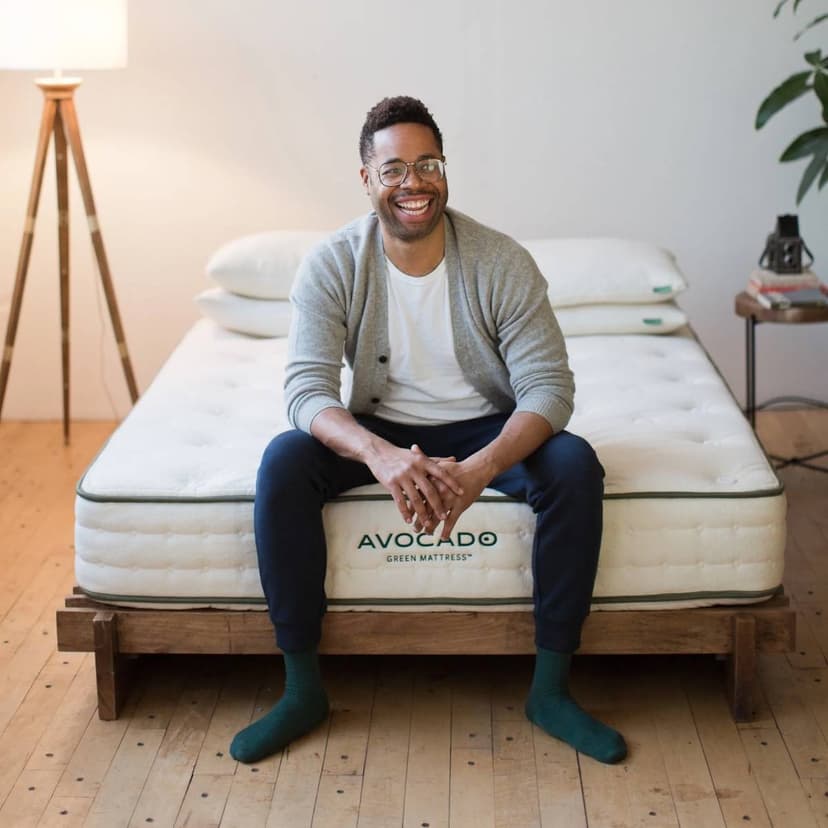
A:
<point x="753" y="313"/>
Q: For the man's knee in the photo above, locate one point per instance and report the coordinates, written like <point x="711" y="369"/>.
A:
<point x="579" y="456"/>
<point x="569" y="459"/>
<point x="286" y="462"/>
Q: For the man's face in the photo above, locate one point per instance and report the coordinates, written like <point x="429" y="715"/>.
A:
<point x="412" y="210"/>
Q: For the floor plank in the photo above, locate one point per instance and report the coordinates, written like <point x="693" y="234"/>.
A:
<point x="63" y="733"/>
<point x="785" y="800"/>
<point x="248" y="803"/>
<point x="560" y="790"/>
<point x="205" y="801"/>
<point x="169" y="776"/>
<point x="427" y="788"/>
<point x="649" y="792"/>
<point x="91" y="759"/>
<point x="382" y="799"/>
<point x="516" y="797"/>
<point x="736" y="790"/>
<point x="233" y="711"/>
<point x="803" y="738"/>
<point x="29" y="720"/>
<point x="66" y="812"/>
<point x="297" y="785"/>
<point x="125" y="778"/>
<point x="352" y="697"/>
<point x="472" y="787"/>
<point x="694" y="795"/>
<point x="29" y="798"/>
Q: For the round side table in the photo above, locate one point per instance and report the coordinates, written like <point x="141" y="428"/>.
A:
<point x="753" y="313"/>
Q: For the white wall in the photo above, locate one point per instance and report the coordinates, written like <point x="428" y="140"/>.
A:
<point x="560" y="118"/>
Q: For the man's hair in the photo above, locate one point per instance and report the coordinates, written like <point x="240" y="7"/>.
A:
<point x="400" y="109"/>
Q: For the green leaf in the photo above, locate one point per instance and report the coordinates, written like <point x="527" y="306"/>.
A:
<point x="815" y="22"/>
<point x="779" y="7"/>
<point x="821" y="88"/>
<point x="787" y="91"/>
<point x="796" y="5"/>
<point x="823" y="179"/>
<point x="812" y="142"/>
<point x="811" y="172"/>
<point x="814" y="58"/>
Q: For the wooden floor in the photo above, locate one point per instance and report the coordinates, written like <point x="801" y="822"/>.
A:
<point x="419" y="741"/>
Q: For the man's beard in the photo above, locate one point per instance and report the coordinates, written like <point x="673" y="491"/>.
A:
<point x="404" y="231"/>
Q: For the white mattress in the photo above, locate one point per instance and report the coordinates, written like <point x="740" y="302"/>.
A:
<point x="694" y="514"/>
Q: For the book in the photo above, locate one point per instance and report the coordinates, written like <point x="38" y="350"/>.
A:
<point x="770" y="279"/>
<point x="811" y="297"/>
<point x="755" y="288"/>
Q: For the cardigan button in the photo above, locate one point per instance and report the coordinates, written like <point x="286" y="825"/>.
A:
<point x="375" y="400"/>
<point x="383" y="358"/>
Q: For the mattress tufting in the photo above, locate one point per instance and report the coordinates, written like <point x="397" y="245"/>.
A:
<point x="694" y="514"/>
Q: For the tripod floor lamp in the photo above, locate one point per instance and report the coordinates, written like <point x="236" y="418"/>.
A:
<point x="44" y="34"/>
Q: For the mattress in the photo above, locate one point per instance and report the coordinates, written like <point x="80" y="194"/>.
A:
<point x="694" y="514"/>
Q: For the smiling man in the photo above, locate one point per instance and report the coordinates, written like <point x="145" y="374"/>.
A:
<point x="460" y="381"/>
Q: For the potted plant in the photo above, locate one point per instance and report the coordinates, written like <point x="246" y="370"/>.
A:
<point x="814" y="142"/>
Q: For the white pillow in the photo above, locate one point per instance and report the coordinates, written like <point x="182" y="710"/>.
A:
<point x="584" y="271"/>
<point x="262" y="266"/>
<point x="258" y="317"/>
<point x="581" y="320"/>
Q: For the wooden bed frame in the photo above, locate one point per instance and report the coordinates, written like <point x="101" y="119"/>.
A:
<point x="115" y="633"/>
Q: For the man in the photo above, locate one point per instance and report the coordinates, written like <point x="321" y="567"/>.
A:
<point x="460" y="381"/>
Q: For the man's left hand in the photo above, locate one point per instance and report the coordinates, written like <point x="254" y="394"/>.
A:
<point x="472" y="474"/>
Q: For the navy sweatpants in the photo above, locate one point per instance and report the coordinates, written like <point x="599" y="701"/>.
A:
<point x="562" y="481"/>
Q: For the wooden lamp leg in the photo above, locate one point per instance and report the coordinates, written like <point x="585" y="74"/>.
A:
<point x="62" y="171"/>
<point x="67" y="110"/>
<point x="46" y="129"/>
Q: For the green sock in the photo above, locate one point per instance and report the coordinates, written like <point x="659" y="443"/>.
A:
<point x="552" y="709"/>
<point x="303" y="705"/>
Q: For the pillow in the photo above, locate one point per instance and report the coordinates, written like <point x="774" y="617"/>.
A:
<point x="258" y="317"/>
<point x="261" y="266"/>
<point x="584" y="271"/>
<point x="580" y="320"/>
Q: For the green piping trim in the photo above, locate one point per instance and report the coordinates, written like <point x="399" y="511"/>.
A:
<point x="724" y="595"/>
<point x="757" y="493"/>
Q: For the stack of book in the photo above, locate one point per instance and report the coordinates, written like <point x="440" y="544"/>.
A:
<point x="787" y="290"/>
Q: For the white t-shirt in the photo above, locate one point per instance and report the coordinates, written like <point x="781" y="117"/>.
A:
<point x="425" y="383"/>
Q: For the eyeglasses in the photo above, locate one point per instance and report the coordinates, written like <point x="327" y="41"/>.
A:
<point x="394" y="173"/>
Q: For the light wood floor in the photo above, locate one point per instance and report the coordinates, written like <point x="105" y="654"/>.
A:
<point x="420" y="742"/>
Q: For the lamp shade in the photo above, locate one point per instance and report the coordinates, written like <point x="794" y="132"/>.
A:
<point x="63" y="34"/>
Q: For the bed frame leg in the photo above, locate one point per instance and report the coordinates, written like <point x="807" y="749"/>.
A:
<point x="110" y="666"/>
<point x="741" y="667"/>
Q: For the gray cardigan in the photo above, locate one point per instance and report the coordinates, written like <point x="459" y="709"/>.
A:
<point x="506" y="338"/>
